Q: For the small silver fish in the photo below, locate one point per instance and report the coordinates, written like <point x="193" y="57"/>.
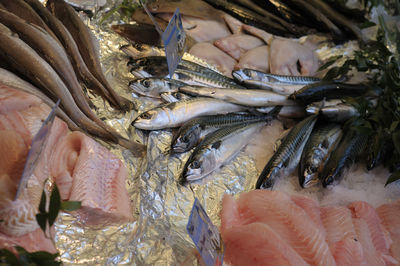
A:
<point x="153" y="86"/>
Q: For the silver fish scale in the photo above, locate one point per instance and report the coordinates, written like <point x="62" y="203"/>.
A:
<point x="297" y="135"/>
<point x="204" y="79"/>
<point x="284" y="79"/>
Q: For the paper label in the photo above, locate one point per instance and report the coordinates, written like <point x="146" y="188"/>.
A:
<point x="174" y="42"/>
<point x="205" y="235"/>
<point x="38" y="143"/>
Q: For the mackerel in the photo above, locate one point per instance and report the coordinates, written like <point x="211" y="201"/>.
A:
<point x="350" y="146"/>
<point x="257" y="98"/>
<point x="85" y="41"/>
<point x="217" y="149"/>
<point x="322" y="141"/>
<point x="288" y="111"/>
<point x="175" y="114"/>
<point x="68" y="42"/>
<point x="170" y="97"/>
<point x="286" y="154"/>
<point x="153" y="86"/>
<point x="188" y="134"/>
<point x="335" y="113"/>
<point x="195" y="78"/>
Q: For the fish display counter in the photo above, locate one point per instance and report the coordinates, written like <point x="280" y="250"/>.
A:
<point x="267" y="123"/>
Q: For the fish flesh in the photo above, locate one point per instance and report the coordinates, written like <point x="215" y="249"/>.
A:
<point x="389" y="215"/>
<point x="217" y="149"/>
<point x="249" y="97"/>
<point x="285" y="155"/>
<point x="237" y="44"/>
<point x="257" y="58"/>
<point x="72" y="50"/>
<point x="350" y="146"/>
<point x="322" y="141"/>
<point x="85" y="41"/>
<point x="211" y="54"/>
<point x="234" y="25"/>
<point x="188" y="134"/>
<point x="154" y="87"/>
<point x="328" y="90"/>
<point x="175" y="114"/>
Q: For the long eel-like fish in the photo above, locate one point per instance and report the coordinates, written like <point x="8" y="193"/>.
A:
<point x="85" y="41"/>
<point x="68" y="42"/>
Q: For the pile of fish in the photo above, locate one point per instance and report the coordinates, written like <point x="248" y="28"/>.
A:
<point x="274" y="228"/>
<point x="54" y="50"/>
<point x="83" y="170"/>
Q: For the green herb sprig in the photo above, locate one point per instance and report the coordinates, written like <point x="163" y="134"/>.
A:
<point x="381" y="122"/>
<point x="26" y="258"/>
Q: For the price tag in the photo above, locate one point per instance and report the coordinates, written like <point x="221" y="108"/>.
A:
<point x="174" y="42"/>
<point x="38" y="143"/>
<point x="205" y="235"/>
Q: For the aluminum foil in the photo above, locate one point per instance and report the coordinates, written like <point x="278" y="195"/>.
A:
<point x="161" y="206"/>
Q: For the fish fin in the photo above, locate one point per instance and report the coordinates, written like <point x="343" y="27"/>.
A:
<point x="216" y="145"/>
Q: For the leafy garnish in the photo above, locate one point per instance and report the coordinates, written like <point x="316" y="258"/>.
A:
<point x="26" y="258"/>
<point x="126" y="9"/>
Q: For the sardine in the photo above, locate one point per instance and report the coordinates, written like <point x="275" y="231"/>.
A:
<point x="328" y="90"/>
<point x="196" y="78"/>
<point x="257" y="98"/>
<point x="292" y="144"/>
<point x="350" y="146"/>
<point x="137" y="51"/>
<point x="217" y="149"/>
<point x="13" y="81"/>
<point x="41" y="74"/>
<point x="322" y="141"/>
<point x="170" y="97"/>
<point x="67" y="41"/>
<point x="25" y="12"/>
<point x="85" y="41"/>
<point x="188" y="134"/>
<point x="153" y="87"/>
<point x="175" y="114"/>
<point x="50" y="50"/>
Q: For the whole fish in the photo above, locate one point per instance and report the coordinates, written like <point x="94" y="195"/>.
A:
<point x="188" y="134"/>
<point x="85" y="41"/>
<point x="50" y="50"/>
<point x="322" y="141"/>
<point x="245" y="97"/>
<point x="328" y="90"/>
<point x="288" y="111"/>
<point x="154" y="87"/>
<point x="335" y="113"/>
<point x="379" y="149"/>
<point x="350" y="146"/>
<point x="287" y="153"/>
<point x="175" y="114"/>
<point x="13" y="81"/>
<point x="196" y="78"/>
<point x="157" y="66"/>
<point x="217" y="149"/>
<point x="25" y="12"/>
<point x="40" y="73"/>
<point x="137" y="51"/>
<point x="139" y="32"/>
<point x="284" y="85"/>
<point x="170" y="97"/>
<point x="68" y="42"/>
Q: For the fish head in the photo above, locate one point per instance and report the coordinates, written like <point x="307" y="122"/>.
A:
<point x="142" y="86"/>
<point x="137" y="63"/>
<point x="187" y="141"/>
<point x="333" y="177"/>
<point x="151" y="120"/>
<point x="201" y="167"/>
<point x="310" y="177"/>
<point x="240" y="75"/>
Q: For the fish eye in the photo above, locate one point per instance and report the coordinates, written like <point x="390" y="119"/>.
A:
<point x="185" y="138"/>
<point x="195" y="165"/>
<point x="146" y="83"/>
<point x="146" y="115"/>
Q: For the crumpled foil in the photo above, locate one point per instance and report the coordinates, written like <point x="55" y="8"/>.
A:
<point x="161" y="206"/>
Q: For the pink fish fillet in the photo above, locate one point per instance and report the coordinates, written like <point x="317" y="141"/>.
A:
<point x="390" y="217"/>
<point x="338" y="223"/>
<point x="380" y="236"/>
<point x="258" y="244"/>
<point x="371" y="256"/>
<point x="32" y="242"/>
<point x="311" y="207"/>
<point x="289" y="221"/>
<point x="237" y="44"/>
<point x="257" y="58"/>
<point x="348" y="252"/>
<point x="97" y="179"/>
<point x="14" y="100"/>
